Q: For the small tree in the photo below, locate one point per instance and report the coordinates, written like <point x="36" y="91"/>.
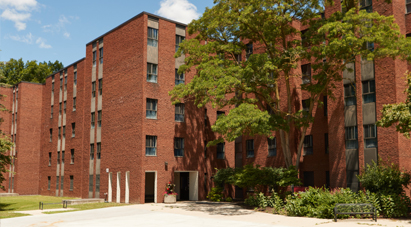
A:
<point x="5" y="147"/>
<point x="384" y="179"/>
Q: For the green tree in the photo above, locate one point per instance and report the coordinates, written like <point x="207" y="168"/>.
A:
<point x="15" y="71"/>
<point x="5" y="147"/>
<point x="260" y="90"/>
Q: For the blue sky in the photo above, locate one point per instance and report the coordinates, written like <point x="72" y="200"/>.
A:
<point x="49" y="30"/>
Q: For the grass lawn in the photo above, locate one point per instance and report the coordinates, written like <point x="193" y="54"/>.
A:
<point x="87" y="206"/>
<point x="20" y="203"/>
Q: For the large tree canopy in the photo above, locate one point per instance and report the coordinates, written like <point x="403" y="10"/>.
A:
<point x="14" y="71"/>
<point x="251" y="87"/>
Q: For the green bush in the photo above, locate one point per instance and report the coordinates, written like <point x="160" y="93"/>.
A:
<point x="256" y="177"/>
<point x="216" y="194"/>
<point x="384" y="178"/>
<point x="228" y="199"/>
<point x="261" y="201"/>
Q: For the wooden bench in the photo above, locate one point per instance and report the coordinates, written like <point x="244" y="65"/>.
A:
<point x="354" y="209"/>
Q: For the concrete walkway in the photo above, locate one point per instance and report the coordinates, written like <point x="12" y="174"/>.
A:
<point x="184" y="214"/>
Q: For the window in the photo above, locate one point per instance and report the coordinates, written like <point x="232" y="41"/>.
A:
<point x="75" y="78"/>
<point x="74" y="104"/>
<point x="97" y="183"/>
<point x="220" y="113"/>
<point x="326" y="143"/>
<point x="49" y="158"/>
<point x="98" y="150"/>
<point x="179" y="116"/>
<point x="62" y="157"/>
<point x="250" y="148"/>
<point x="52" y="87"/>
<point x="179" y="147"/>
<point x="91" y="151"/>
<point x="272" y="147"/>
<point x="90" y="183"/>
<point x="221" y="151"/>
<point x="92" y="119"/>
<point x="59" y="108"/>
<point x="152" y="73"/>
<point x="93" y="89"/>
<point x="58" y="157"/>
<point x="349" y="95"/>
<point x="51" y="134"/>
<point x="100" y="86"/>
<point x="57" y="182"/>
<point x="179" y="39"/>
<point x="101" y="55"/>
<point x="65" y="83"/>
<point x="325" y="101"/>
<point x="71" y="182"/>
<point x="65" y="106"/>
<point x="248" y="51"/>
<point x="306" y="105"/>
<point x="368" y="91"/>
<point x="94" y="58"/>
<point x="304" y="39"/>
<point x="64" y="132"/>
<point x="306" y="73"/>
<point x="308" y="178"/>
<point x="151" y="109"/>
<point x="366" y="5"/>
<point x="151" y="145"/>
<point x="408" y="5"/>
<point x="152" y="37"/>
<point x="61" y="83"/>
<point x="351" y="137"/>
<point x="59" y="133"/>
<point x="72" y="156"/>
<point x="99" y="118"/>
<point x="73" y="129"/>
<point x="179" y="78"/>
<point x="48" y="182"/>
<point x="370" y="136"/>
<point x="51" y="112"/>
<point x="308" y="145"/>
<point x="205" y="148"/>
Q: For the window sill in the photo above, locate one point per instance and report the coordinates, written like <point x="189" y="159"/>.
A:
<point x="153" y="82"/>
<point x="152" y="156"/>
<point x="72" y="163"/>
<point x="49" y="165"/>
<point x="178" y="156"/>
<point x="71" y="190"/>
<point x="151" y="118"/>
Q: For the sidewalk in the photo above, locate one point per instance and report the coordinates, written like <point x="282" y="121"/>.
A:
<point x="230" y="211"/>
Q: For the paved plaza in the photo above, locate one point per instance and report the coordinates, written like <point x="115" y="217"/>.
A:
<point x="182" y="214"/>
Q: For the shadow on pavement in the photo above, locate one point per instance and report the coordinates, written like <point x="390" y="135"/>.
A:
<point x="215" y="208"/>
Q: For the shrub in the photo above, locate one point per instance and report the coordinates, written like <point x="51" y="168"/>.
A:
<point x="261" y="201"/>
<point x="215" y="194"/>
<point x="255" y="177"/>
<point x="228" y="199"/>
<point x="384" y="178"/>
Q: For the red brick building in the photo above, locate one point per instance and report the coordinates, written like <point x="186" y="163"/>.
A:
<point x="76" y="137"/>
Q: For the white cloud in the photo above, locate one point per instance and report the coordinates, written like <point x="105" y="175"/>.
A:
<point x="178" y="10"/>
<point x="21" y="5"/>
<point x="17" y="11"/>
<point x="42" y="43"/>
<point x="24" y="39"/>
<point x="60" y="26"/>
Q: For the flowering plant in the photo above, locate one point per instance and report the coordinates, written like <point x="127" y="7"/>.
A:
<point x="170" y="189"/>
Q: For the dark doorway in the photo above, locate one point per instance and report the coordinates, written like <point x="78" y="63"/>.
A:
<point x="184" y="186"/>
<point x="149" y="186"/>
